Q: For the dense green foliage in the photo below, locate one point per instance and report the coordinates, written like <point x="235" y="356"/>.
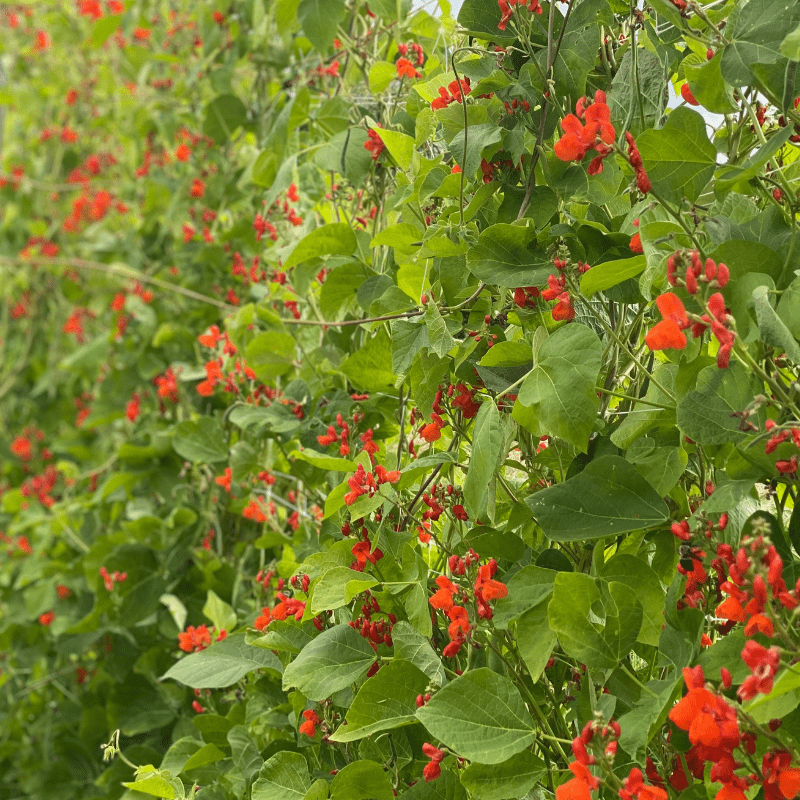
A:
<point x="399" y="405"/>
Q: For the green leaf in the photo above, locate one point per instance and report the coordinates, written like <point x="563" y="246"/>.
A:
<point x="773" y="331"/>
<point x="704" y="415"/>
<point x="705" y="81"/>
<point x="513" y="778"/>
<point x="790" y="46"/>
<point x="201" y="441"/>
<point x="644" y="417"/>
<point x="222" y="664"/>
<point x="386" y="700"/>
<point x="679" y="159"/>
<point x="445" y="787"/>
<point x="244" y="749"/>
<point x="399" y="145"/>
<point x="576" y="599"/>
<point x="648" y="715"/>
<point x="337" y="587"/>
<point x="337" y="238"/>
<point x="480" y="716"/>
<point x="319" y="19"/>
<point x="104" y="28"/>
<point x="439" y="338"/>
<point x="334" y="660"/>
<point x="219" y="612"/>
<point x="321" y="461"/>
<point x="480" y="138"/>
<point x="411" y="645"/>
<point x="154" y="785"/>
<point x="661" y="468"/>
<point x="381" y="74"/>
<point x="487" y="445"/>
<point x="361" y="780"/>
<point x="607" y="498"/>
<point x="789" y="308"/>
<point x="408" y="338"/>
<point x="757" y="37"/>
<point x="369" y="368"/>
<point x="507" y="256"/>
<point x="535" y="638"/>
<point x="559" y="398"/>
<point x="508" y="354"/>
<point x="223" y="115"/>
<point x="610" y="273"/>
<point x="526" y="589"/>
<point x="340" y="290"/>
<point x="283" y="777"/>
<point x="208" y="754"/>
<point x="271" y="354"/>
<point x="638" y="575"/>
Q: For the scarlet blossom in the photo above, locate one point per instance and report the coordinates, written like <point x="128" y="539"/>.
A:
<point x="405" y="69"/>
<point x="781" y="780"/>
<point x="686" y="94"/>
<point x="224" y="480"/>
<point x="432" y="770"/>
<point x="183" y="152"/>
<point x="374" y="144"/>
<point x="198" y="188"/>
<point x="133" y="408"/>
<point x="193" y="639"/>
<point x="668" y="334"/>
<point x="311" y="721"/>
<point x="579" y="787"/>
<point x="635" y="787"/>
<point x="47" y="618"/>
<point x="596" y="134"/>
<point x="635" y="243"/>
<point x="443" y="597"/>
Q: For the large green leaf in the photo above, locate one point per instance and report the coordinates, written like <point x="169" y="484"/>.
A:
<point x="638" y="575"/>
<point x="319" y="19"/>
<point x="337" y="587"/>
<point x="282" y="777"/>
<point x="222" y="664"/>
<point x="224" y="114"/>
<point x="487" y="443"/>
<point x="526" y="589"/>
<point x="679" y="158"/>
<point x="335" y="659"/>
<point x="761" y="26"/>
<point x="480" y="716"/>
<point x="610" y="273"/>
<point x="411" y="645"/>
<point x="705" y="414"/>
<point x="773" y="330"/>
<point x="337" y="238"/>
<point x="535" y="638"/>
<point x="511" y="779"/>
<point x="607" y="498"/>
<point x="385" y="701"/>
<point x="370" y="367"/>
<point x="201" y="441"/>
<point x="577" y="598"/>
<point x="559" y="398"/>
<point x="506" y="255"/>
<point x="361" y="780"/>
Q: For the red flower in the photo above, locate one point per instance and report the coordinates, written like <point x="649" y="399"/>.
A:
<point x="311" y="721"/>
<point x="432" y="770"/>
<point x="374" y="144"/>
<point x="47" y="618"/>
<point x="193" y="639"/>
<point x="686" y="94"/>
<point x="668" y="333"/>
<point x="405" y="69"/>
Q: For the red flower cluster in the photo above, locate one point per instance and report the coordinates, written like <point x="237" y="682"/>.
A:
<point x="311" y="721"/>
<point x="416" y="49"/>
<point x="597" y="134"/>
<point x="642" y="181"/>
<point x="363" y="482"/>
<point x="192" y="640"/>
<point x="506" y="11"/>
<point x="432" y="770"/>
<point x="109" y="579"/>
<point x="285" y="608"/>
<point x="668" y="334"/>
<point x="342" y="437"/>
<point x="374" y="144"/>
<point x="456" y="94"/>
<point x="556" y="290"/>
<point x="433" y="430"/>
<point x="405" y="69"/>
<point x="713" y="730"/>
<point x="755" y="568"/>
